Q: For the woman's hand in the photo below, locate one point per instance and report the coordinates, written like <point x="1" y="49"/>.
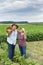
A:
<point x="24" y="35"/>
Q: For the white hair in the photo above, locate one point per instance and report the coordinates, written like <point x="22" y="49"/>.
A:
<point x="23" y="29"/>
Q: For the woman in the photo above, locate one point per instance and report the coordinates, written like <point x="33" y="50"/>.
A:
<point x="22" y="42"/>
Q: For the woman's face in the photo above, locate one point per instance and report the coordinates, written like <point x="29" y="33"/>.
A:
<point x="21" y="30"/>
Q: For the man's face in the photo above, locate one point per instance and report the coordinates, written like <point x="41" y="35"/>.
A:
<point x="14" y="27"/>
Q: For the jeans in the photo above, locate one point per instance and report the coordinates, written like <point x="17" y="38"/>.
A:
<point x="22" y="50"/>
<point x="11" y="49"/>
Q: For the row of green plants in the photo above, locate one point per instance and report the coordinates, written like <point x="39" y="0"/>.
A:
<point x="35" y="37"/>
<point x="17" y="60"/>
<point x="30" y="37"/>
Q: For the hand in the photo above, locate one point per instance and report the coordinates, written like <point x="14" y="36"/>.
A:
<point x="22" y="33"/>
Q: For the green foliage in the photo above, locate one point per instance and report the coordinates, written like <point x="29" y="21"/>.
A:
<point x="3" y="38"/>
<point x="29" y="28"/>
<point x="34" y="48"/>
<point x="17" y="59"/>
<point x="30" y="37"/>
<point x="20" y="60"/>
<point x="35" y="37"/>
<point x="34" y="33"/>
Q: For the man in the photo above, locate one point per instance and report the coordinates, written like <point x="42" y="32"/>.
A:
<point x="11" y="39"/>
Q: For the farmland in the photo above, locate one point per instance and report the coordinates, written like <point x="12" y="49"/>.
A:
<point x="34" y="54"/>
<point x="34" y="49"/>
<point x="29" y="28"/>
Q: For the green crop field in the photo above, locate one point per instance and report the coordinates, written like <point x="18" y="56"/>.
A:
<point x="34" y="49"/>
<point x="34" y="54"/>
<point x="29" y="28"/>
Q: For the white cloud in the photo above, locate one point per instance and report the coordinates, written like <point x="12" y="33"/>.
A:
<point x="31" y="10"/>
<point x="15" y="4"/>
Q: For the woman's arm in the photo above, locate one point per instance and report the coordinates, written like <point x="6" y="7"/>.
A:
<point x="25" y="36"/>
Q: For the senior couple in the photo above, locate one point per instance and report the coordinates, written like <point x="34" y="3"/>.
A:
<point x="12" y="36"/>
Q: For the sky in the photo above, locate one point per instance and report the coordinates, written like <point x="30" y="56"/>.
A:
<point x="21" y="10"/>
